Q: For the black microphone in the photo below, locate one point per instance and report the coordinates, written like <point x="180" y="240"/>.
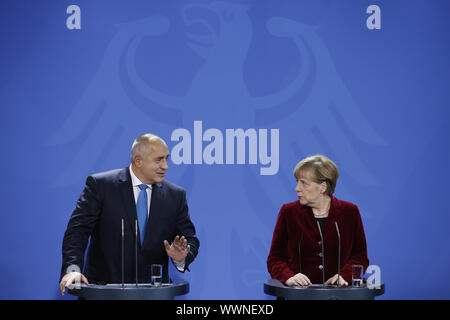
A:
<point x="339" y="252"/>
<point x="123" y="257"/>
<point x="300" y="253"/>
<point x="136" y="246"/>
<point x="323" y="255"/>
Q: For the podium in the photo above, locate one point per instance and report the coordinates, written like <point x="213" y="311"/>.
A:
<point x="145" y="291"/>
<point x="274" y="287"/>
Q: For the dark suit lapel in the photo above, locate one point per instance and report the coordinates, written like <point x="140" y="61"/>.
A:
<point x="129" y="205"/>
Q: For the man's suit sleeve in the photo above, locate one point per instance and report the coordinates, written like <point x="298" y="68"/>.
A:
<point x="81" y="224"/>
<point x="186" y="228"/>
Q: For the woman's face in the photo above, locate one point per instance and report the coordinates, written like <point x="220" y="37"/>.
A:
<point x="308" y="191"/>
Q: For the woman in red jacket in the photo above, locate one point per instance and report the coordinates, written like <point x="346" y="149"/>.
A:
<point x="305" y="241"/>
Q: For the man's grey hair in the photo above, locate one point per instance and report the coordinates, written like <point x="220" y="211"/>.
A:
<point x="140" y="146"/>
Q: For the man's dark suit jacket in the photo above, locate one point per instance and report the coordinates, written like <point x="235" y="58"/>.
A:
<point x="106" y="199"/>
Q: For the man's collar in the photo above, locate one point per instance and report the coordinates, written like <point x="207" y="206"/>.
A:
<point x="135" y="180"/>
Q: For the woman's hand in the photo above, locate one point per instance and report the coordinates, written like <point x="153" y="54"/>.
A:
<point x="298" y="280"/>
<point x="334" y="279"/>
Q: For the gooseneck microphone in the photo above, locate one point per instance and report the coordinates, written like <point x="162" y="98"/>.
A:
<point x="136" y="247"/>
<point x="323" y="255"/>
<point x="300" y="252"/>
<point x="123" y="257"/>
<point x="339" y="252"/>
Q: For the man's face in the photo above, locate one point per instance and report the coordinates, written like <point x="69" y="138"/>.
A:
<point x="152" y="165"/>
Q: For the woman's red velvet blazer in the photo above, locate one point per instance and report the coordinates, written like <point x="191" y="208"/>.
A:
<point x="296" y="245"/>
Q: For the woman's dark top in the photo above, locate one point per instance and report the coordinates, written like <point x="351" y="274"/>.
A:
<point x="322" y="222"/>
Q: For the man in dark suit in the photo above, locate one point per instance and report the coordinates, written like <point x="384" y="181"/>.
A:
<point x="136" y="193"/>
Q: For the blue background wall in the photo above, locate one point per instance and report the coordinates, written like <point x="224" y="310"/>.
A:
<point x="374" y="101"/>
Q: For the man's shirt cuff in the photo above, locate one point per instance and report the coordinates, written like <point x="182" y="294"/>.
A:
<point x="179" y="265"/>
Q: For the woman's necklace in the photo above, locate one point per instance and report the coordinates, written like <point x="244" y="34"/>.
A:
<point x="324" y="213"/>
<point x="321" y="215"/>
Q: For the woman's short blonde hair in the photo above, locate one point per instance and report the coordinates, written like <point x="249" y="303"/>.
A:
<point x="320" y="169"/>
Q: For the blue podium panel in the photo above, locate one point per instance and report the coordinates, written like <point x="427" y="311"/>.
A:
<point x="130" y="291"/>
<point x="274" y="287"/>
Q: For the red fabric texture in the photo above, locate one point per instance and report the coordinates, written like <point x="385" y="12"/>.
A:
<point x="296" y="226"/>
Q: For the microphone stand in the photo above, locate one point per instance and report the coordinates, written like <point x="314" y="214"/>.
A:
<point x="339" y="252"/>
<point x="136" y="247"/>
<point x="300" y="253"/>
<point x="323" y="255"/>
<point x="123" y="257"/>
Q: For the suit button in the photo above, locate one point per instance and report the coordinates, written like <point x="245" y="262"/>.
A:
<point x="321" y="267"/>
<point x="320" y="254"/>
<point x="320" y="242"/>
